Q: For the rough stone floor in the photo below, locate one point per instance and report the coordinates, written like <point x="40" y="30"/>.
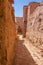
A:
<point x="22" y="55"/>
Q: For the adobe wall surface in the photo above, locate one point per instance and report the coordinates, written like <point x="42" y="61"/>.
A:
<point x="25" y="9"/>
<point x="3" y="50"/>
<point x="7" y="33"/>
<point x="35" y="29"/>
<point x="35" y="24"/>
<point x="19" y="23"/>
<point x="34" y="33"/>
<point x="33" y="6"/>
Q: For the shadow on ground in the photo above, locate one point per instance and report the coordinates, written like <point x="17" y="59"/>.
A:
<point x="22" y="55"/>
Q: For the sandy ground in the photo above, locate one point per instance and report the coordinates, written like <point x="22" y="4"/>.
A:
<point x="21" y="55"/>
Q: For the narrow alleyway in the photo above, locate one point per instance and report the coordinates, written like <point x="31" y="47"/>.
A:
<point x="22" y="55"/>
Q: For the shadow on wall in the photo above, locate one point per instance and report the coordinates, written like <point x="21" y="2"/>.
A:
<point x="19" y="30"/>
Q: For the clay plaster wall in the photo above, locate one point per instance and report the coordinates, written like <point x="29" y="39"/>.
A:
<point x="7" y="33"/>
<point x="35" y="26"/>
<point x="25" y="9"/>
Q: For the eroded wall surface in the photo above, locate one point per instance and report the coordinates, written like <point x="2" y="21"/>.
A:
<point x="25" y="9"/>
<point x="35" y="32"/>
<point x="19" y="25"/>
<point x="3" y="50"/>
<point x="8" y="34"/>
<point x="35" y="26"/>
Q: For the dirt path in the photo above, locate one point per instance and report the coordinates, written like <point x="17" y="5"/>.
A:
<point x="22" y="56"/>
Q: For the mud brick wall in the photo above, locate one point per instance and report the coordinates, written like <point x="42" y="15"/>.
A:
<point x="35" y="27"/>
<point x="3" y="50"/>
<point x="7" y="33"/>
<point x="10" y="33"/>
<point x="34" y="32"/>
<point x="19" y="24"/>
<point x="25" y="9"/>
<point x="33" y="6"/>
<point x="13" y="16"/>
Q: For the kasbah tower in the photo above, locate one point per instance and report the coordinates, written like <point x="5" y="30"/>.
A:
<point x="8" y="34"/>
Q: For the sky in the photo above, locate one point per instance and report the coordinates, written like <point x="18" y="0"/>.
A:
<point x="18" y="6"/>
